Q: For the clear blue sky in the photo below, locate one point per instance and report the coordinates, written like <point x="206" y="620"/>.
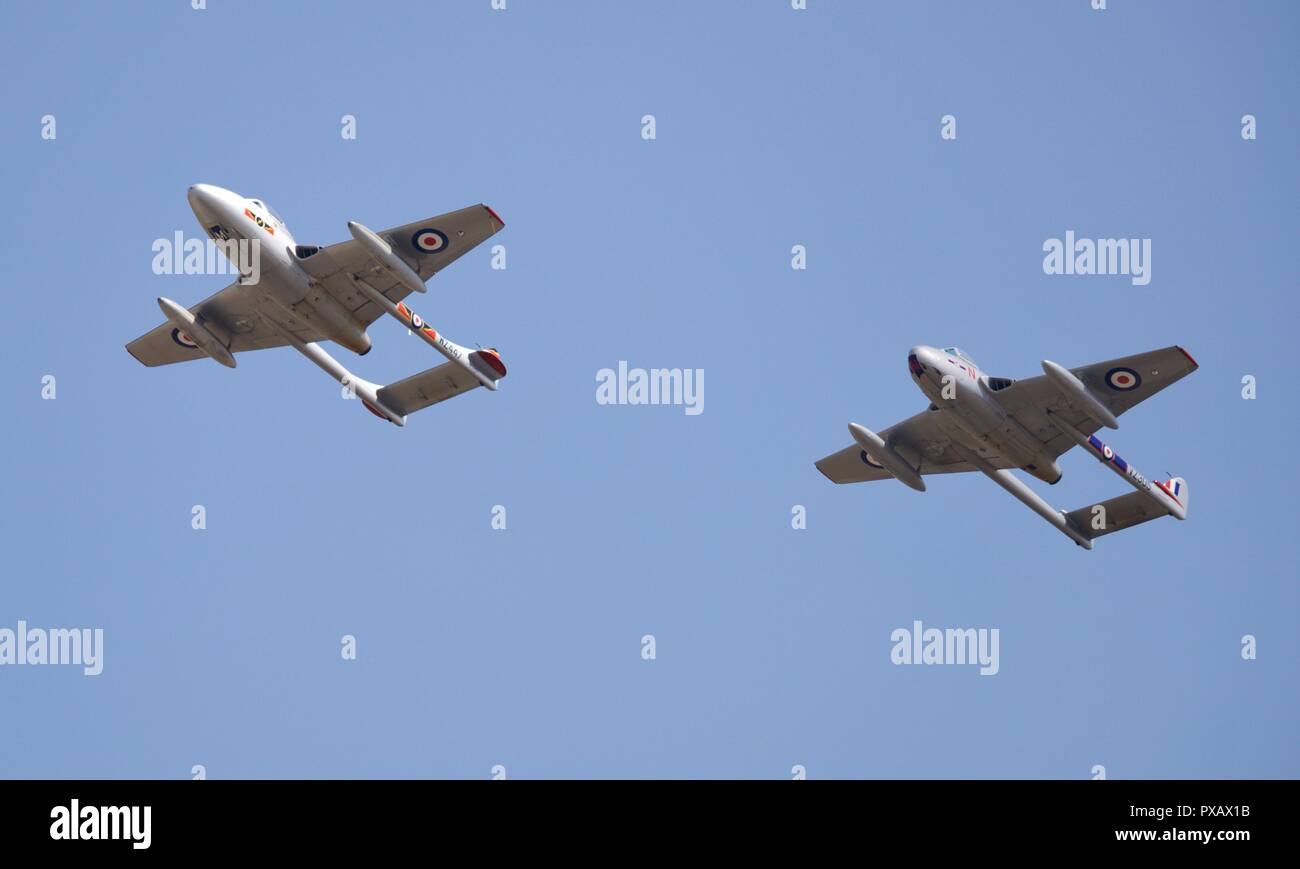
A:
<point x="522" y="647"/>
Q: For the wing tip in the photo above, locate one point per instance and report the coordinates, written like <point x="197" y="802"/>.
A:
<point x="825" y="473"/>
<point x="1188" y="355"/>
<point x="490" y="210"/>
<point x="136" y="356"/>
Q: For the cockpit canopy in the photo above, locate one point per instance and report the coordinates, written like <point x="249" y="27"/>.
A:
<point x="956" y="351"/>
<point x="260" y="204"/>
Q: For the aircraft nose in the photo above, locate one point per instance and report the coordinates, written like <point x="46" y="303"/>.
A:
<point x="201" y="195"/>
<point x="920" y="360"/>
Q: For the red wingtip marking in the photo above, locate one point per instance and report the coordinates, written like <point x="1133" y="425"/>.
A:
<point x="1189" y="357"/>
<point x="494" y="214"/>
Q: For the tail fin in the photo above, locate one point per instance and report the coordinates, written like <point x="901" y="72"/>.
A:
<point x="1177" y="489"/>
<point x="488" y="363"/>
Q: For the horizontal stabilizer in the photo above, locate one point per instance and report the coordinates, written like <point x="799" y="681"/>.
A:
<point x="1116" y="514"/>
<point x="427" y="388"/>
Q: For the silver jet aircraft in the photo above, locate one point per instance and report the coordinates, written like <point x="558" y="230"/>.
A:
<point x="992" y="424"/>
<point x="297" y="295"/>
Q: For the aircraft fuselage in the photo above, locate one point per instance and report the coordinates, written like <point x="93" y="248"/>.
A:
<point x="971" y="415"/>
<point x="228" y="217"/>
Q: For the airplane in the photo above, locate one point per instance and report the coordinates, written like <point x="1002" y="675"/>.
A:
<point x="992" y="424"/>
<point x="297" y="295"/>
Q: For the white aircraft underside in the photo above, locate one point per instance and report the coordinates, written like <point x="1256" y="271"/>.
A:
<point x="299" y="295"/>
<point x="991" y="425"/>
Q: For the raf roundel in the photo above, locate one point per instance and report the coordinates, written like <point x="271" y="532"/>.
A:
<point x="867" y="460"/>
<point x="1123" y="379"/>
<point x="184" y="340"/>
<point x="429" y="241"/>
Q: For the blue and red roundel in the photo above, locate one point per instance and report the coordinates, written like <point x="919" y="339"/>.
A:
<point x="429" y="241"/>
<point x="1123" y="379"/>
<point x="868" y="460"/>
<point x="184" y="340"/>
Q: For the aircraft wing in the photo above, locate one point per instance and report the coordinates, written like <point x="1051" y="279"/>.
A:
<point x="428" y="246"/>
<point x="232" y="315"/>
<point x="1119" y="384"/>
<point x="918" y="439"/>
